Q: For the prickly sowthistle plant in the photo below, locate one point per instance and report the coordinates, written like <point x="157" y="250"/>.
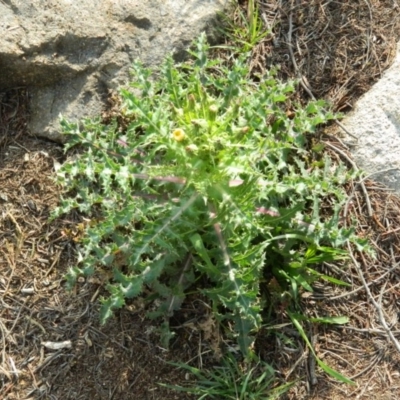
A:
<point x="207" y="188"/>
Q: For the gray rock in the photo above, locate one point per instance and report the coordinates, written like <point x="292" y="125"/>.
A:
<point x="71" y="53"/>
<point x="375" y="121"/>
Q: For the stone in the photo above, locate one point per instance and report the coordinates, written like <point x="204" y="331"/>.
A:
<point x="70" y="54"/>
<point x="375" y="122"/>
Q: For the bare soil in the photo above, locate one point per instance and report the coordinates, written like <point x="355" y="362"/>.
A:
<point x="52" y="346"/>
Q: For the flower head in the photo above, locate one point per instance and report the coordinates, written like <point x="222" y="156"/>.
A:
<point x="178" y="135"/>
<point x="213" y="108"/>
<point x="192" y="148"/>
<point x="179" y="112"/>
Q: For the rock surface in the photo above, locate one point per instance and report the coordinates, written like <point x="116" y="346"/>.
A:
<point x="375" y="121"/>
<point x="71" y="53"/>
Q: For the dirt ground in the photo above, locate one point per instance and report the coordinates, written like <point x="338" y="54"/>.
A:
<point x="52" y="346"/>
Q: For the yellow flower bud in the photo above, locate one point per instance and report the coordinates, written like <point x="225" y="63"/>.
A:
<point x="178" y="135"/>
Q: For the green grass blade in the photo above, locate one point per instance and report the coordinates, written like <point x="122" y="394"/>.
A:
<point x="328" y="370"/>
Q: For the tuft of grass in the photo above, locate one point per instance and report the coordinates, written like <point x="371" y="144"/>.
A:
<point x="233" y="380"/>
<point x="246" y="29"/>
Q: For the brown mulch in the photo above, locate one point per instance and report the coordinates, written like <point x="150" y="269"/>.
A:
<point x="338" y="49"/>
<point x="361" y="349"/>
<point x="121" y="360"/>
